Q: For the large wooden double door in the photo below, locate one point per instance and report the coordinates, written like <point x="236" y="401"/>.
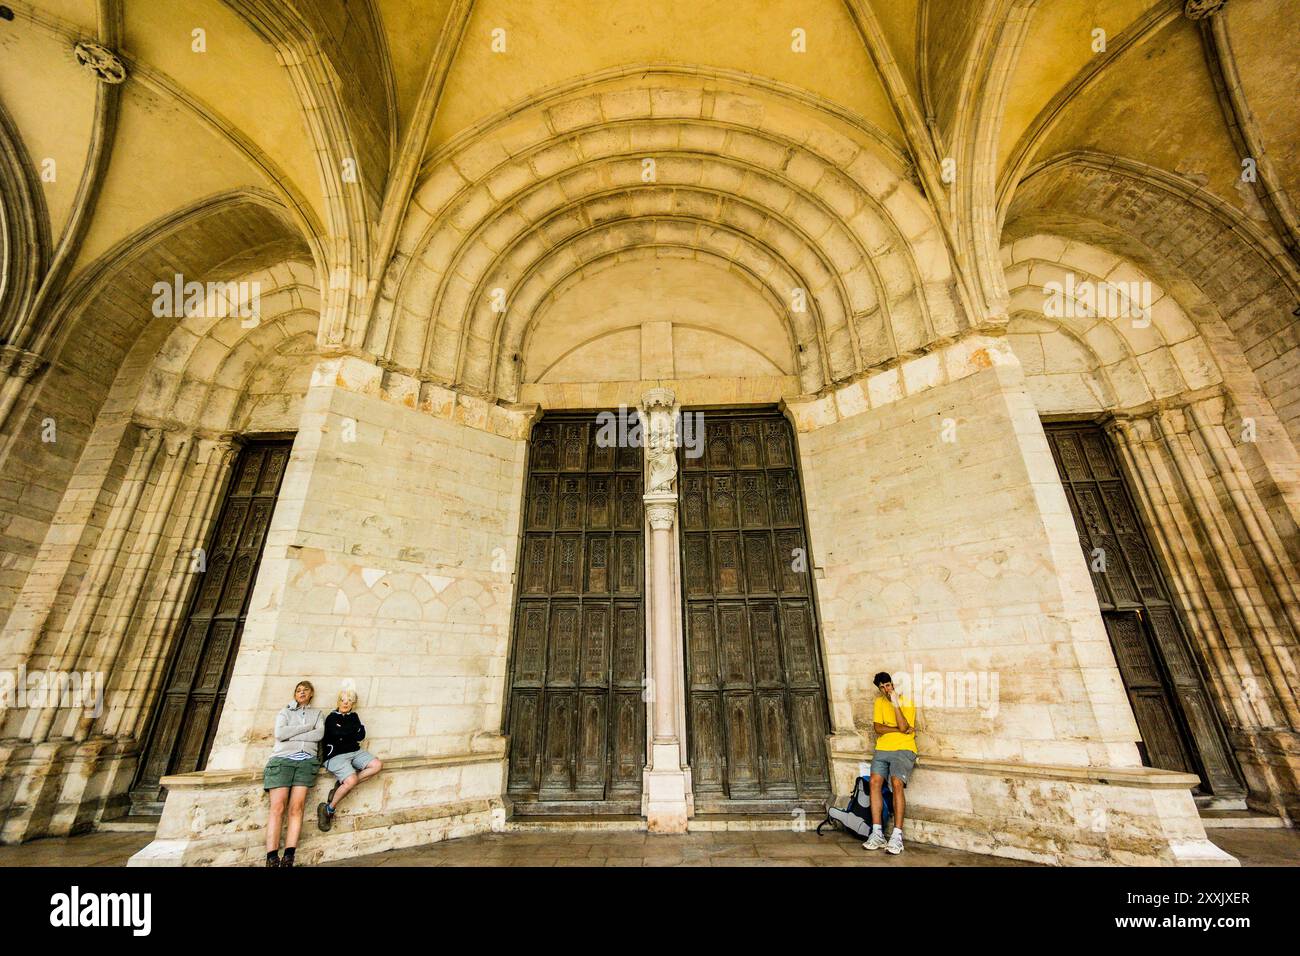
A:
<point x="1180" y="730"/>
<point x="756" y="694"/>
<point x="198" y="674"/>
<point x="576" y="709"/>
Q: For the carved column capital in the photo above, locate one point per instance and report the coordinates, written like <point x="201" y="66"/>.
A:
<point x="219" y="447"/>
<point x="19" y="363"/>
<point x="175" y="441"/>
<point x="660" y="511"/>
<point x="100" y="61"/>
<point x="1201" y="9"/>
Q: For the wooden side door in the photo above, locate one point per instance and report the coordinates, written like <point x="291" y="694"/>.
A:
<point x="198" y="675"/>
<point x="1180" y="729"/>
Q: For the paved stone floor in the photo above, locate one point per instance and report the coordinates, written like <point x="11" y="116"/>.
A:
<point x="761" y="848"/>
<point x="731" y="848"/>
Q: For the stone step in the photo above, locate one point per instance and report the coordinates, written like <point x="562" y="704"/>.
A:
<point x="715" y="822"/>
<point x="570" y="822"/>
<point x="1239" y="819"/>
<point x="1205" y="802"/>
<point x="129" y="824"/>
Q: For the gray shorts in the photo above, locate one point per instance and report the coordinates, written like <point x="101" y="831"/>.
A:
<point x="893" y="763"/>
<point x="345" y="765"/>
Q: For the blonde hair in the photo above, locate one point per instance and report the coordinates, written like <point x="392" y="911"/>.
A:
<point x="348" y="695"/>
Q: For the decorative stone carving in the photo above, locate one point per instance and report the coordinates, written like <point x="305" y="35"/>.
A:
<point x="1200" y="9"/>
<point x="19" y="362"/>
<point x="660" y="408"/>
<point x="660" y="514"/>
<point x="101" y="61"/>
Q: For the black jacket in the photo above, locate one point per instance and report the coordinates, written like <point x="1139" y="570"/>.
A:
<point x="343" y="734"/>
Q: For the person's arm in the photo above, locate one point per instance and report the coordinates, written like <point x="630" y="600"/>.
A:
<point x="317" y="731"/>
<point x="904" y="725"/>
<point x="282" y="732"/>
<point x="361" y="730"/>
<point x="331" y="737"/>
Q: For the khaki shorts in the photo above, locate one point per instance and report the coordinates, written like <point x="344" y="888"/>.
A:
<point x="283" y="772"/>
<point x="893" y="763"/>
<point x="345" y="765"/>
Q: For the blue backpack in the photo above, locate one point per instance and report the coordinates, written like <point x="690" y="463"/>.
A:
<point x="856" y="817"/>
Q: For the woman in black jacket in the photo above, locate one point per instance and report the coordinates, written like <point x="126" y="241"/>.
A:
<point x="343" y="755"/>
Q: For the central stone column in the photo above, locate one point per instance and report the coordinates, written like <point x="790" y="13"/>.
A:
<point x="666" y="780"/>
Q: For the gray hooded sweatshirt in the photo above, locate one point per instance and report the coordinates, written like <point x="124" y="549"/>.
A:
<point x="297" y="730"/>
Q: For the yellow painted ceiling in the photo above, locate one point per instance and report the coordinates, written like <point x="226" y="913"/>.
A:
<point x="1059" y="44"/>
<point x="1271" y="78"/>
<point x="238" y="79"/>
<point x="1155" y="104"/>
<point x="552" y="43"/>
<point x="53" y="116"/>
<point x="1159" y="108"/>
<point x="156" y="134"/>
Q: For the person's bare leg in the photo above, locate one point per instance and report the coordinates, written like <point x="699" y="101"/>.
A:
<point x="297" y="800"/>
<point x="877" y="795"/>
<point x="343" y="789"/>
<point x="279" y="797"/>
<point x="346" y="786"/>
<point x="896" y="786"/>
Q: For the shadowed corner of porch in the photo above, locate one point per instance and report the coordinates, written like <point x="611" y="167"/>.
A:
<point x="1253" y="847"/>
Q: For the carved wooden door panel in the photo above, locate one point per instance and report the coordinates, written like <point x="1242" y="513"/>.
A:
<point x="1180" y="729"/>
<point x="576" y="714"/>
<point x="756" y="695"/>
<point x="186" y="716"/>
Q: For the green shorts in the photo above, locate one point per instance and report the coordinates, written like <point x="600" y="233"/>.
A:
<point x="283" y="772"/>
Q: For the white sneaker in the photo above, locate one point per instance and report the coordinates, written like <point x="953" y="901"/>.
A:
<point x="895" y="842"/>
<point x="875" y="841"/>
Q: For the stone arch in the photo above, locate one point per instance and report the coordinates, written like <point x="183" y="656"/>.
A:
<point x="1137" y="358"/>
<point x="1232" y="280"/>
<point x="759" y="263"/>
<point x="206" y="364"/>
<point x="805" y="181"/>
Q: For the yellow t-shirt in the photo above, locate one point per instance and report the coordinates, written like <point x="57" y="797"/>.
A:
<point x="883" y="713"/>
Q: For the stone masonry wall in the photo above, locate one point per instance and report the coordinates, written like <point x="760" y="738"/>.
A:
<point x="388" y="565"/>
<point x="959" y="558"/>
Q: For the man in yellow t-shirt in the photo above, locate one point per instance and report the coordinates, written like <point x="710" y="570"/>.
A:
<point x="894" y="719"/>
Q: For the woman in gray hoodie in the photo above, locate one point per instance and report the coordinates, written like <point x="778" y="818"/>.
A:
<point x="291" y="770"/>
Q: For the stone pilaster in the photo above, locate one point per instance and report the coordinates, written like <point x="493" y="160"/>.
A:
<point x="208" y="472"/>
<point x="1228" y="565"/>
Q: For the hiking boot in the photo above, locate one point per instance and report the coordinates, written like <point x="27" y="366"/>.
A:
<point x="875" y="841"/>
<point x="324" y="819"/>
<point x="272" y="861"/>
<point x="895" y="842"/>
<point x="287" y="861"/>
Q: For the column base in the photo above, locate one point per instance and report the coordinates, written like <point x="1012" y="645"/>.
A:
<point x="63" y="787"/>
<point x="667" y="790"/>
